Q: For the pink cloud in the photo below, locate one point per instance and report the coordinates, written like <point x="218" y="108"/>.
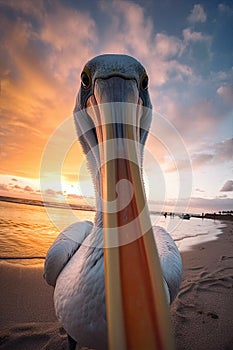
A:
<point x="178" y="165"/>
<point x="38" y="62"/>
<point x="186" y="118"/>
<point x="217" y="153"/>
<point x="131" y="30"/>
<point x="199" y="204"/>
<point x="190" y="36"/>
<point x="28" y="189"/>
<point x="220" y="152"/>
<point x="133" y="34"/>
<point x="4" y="187"/>
<point x="223" y="150"/>
<point x="17" y="187"/>
<point x="210" y="204"/>
<point x="50" y="192"/>
<point x="198" y="14"/>
<point x="71" y="43"/>
<point x="226" y="92"/>
<point x="227" y="187"/>
<point x="201" y="159"/>
<point x="167" y="46"/>
<point x="74" y="196"/>
<point x="26" y="7"/>
<point x="44" y="95"/>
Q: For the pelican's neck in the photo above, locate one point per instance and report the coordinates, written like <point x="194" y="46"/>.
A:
<point x="93" y="166"/>
<point x="98" y="221"/>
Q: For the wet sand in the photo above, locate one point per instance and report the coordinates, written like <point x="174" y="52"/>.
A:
<point x="202" y="314"/>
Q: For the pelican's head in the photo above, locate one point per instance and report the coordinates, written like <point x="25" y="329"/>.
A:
<point x="113" y="116"/>
<point x="109" y="66"/>
<point x="111" y="79"/>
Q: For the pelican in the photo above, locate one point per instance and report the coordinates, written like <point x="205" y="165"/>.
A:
<point x="115" y="278"/>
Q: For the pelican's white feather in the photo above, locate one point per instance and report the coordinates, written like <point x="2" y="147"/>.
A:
<point x="170" y="261"/>
<point x="63" y="248"/>
<point x="80" y="300"/>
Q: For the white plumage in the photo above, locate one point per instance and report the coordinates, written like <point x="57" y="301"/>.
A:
<point x="75" y="267"/>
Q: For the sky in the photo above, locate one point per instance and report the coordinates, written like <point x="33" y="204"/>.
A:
<point x="186" y="48"/>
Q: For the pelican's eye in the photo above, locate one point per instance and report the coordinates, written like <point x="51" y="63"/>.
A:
<point x="144" y="81"/>
<point x="86" y="78"/>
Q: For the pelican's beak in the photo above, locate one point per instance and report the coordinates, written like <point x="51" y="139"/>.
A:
<point x="137" y="311"/>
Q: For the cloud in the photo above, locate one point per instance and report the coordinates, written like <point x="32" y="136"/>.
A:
<point x="199" y="204"/>
<point x="210" y="204"/>
<point x="53" y="193"/>
<point x="4" y="187"/>
<point x="167" y="46"/>
<point x="44" y="48"/>
<point x="197" y="14"/>
<point x="26" y="7"/>
<point x="131" y="29"/>
<point x="192" y="36"/>
<point x="201" y="159"/>
<point x="197" y="115"/>
<point x="39" y="71"/>
<point x="199" y="190"/>
<point x="220" y="152"/>
<point x="223" y="150"/>
<point x="134" y="34"/>
<point x="222" y="196"/>
<point x="71" y="43"/>
<point x="227" y="187"/>
<point x="197" y="47"/>
<point x="225" y="9"/>
<point x="50" y="192"/>
<point x="178" y="165"/>
<point x="74" y="196"/>
<point x="226" y="92"/>
<point x="28" y="189"/>
<point x="49" y="55"/>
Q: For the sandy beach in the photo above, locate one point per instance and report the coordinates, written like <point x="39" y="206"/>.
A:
<point x="202" y="314"/>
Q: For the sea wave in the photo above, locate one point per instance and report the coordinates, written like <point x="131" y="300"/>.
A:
<point x="26" y="232"/>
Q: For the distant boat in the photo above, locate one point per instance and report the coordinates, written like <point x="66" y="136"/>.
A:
<point x="185" y="216"/>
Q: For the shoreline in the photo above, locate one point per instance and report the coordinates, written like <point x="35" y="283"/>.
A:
<point x="201" y="315"/>
<point x="40" y="203"/>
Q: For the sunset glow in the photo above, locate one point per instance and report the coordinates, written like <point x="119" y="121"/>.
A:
<point x="187" y="51"/>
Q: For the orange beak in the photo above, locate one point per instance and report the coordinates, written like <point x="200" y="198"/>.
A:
<point x="137" y="310"/>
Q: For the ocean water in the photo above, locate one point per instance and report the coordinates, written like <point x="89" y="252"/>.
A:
<point x="27" y="231"/>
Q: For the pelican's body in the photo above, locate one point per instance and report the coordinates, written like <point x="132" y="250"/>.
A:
<point x="79" y="294"/>
<point x="75" y="263"/>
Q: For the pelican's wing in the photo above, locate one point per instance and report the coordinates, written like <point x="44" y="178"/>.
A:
<point x="63" y="248"/>
<point x="170" y="261"/>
